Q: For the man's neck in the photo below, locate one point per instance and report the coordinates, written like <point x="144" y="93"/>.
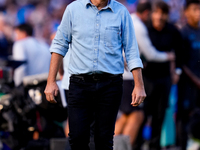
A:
<point x="193" y="25"/>
<point x="159" y="28"/>
<point x="100" y="3"/>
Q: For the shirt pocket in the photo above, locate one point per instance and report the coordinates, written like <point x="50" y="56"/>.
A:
<point x="112" y="36"/>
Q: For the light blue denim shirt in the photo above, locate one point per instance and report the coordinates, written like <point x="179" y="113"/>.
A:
<point x="97" y="38"/>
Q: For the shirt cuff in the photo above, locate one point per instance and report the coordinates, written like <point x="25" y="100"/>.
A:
<point x="136" y="63"/>
<point x="161" y="57"/>
<point x="58" y="49"/>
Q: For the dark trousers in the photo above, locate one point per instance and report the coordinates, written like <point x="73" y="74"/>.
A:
<point x="93" y="100"/>
<point x="155" y="105"/>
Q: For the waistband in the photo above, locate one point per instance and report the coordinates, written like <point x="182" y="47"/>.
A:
<point x="96" y="76"/>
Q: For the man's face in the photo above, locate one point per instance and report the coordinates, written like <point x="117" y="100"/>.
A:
<point x="193" y="13"/>
<point x="19" y="35"/>
<point x="158" y="18"/>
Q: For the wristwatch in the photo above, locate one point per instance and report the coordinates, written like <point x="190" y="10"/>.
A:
<point x="178" y="71"/>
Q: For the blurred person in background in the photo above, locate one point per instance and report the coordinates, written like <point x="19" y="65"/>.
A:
<point x="41" y="20"/>
<point x="147" y="49"/>
<point x="11" y="13"/>
<point x="131" y="119"/>
<point x="5" y="42"/>
<point x="176" y="8"/>
<point x="34" y="52"/>
<point x="158" y="76"/>
<point x="189" y="86"/>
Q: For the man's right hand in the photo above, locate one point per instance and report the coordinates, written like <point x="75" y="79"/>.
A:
<point x="52" y="88"/>
<point x="51" y="91"/>
<point x="171" y="56"/>
<point x="195" y="79"/>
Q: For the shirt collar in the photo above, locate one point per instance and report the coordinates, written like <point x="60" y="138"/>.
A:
<point x="110" y="4"/>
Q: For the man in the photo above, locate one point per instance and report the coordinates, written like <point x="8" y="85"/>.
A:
<point x="145" y="46"/>
<point x="96" y="30"/>
<point x="34" y="52"/>
<point x="189" y="86"/>
<point x="158" y="75"/>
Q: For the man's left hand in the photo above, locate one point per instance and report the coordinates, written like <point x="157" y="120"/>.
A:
<point x="138" y="96"/>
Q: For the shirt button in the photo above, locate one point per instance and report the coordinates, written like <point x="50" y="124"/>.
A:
<point x="98" y="13"/>
<point x="97" y="24"/>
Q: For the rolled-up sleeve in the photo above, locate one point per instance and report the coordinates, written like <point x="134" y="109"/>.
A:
<point x="60" y="43"/>
<point x="130" y="43"/>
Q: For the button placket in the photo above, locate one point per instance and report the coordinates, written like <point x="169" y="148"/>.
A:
<point x="96" y="41"/>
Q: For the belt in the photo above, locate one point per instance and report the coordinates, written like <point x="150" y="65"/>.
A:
<point x="96" y="76"/>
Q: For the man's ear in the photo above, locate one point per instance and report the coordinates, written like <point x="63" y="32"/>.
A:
<point x="146" y="12"/>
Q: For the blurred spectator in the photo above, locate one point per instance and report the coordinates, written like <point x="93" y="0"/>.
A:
<point x="29" y="49"/>
<point x="157" y="76"/>
<point x="11" y="14"/>
<point x="43" y="15"/>
<point x="145" y="46"/>
<point x="2" y="4"/>
<point x="131" y="119"/>
<point x="5" y="43"/>
<point x="189" y="86"/>
<point x="41" y="22"/>
<point x="24" y="12"/>
<point x="176" y="7"/>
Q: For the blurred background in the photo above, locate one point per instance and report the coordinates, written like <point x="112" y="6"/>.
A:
<point x="28" y="121"/>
